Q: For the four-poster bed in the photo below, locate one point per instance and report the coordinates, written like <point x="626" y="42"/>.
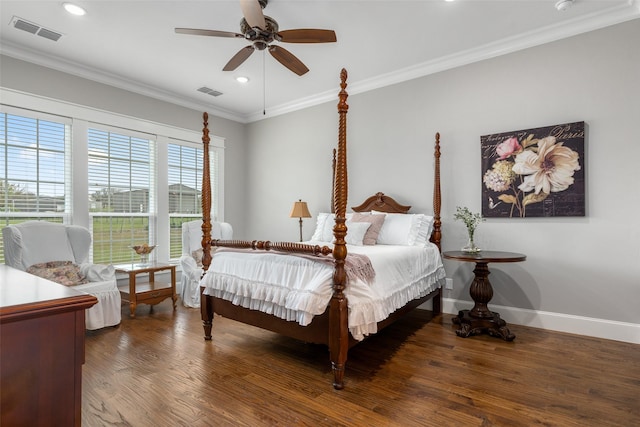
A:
<point x="223" y="293"/>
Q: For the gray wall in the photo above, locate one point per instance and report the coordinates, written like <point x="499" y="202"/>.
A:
<point x="576" y="266"/>
<point x="586" y="266"/>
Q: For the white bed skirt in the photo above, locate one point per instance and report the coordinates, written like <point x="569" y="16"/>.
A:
<point x="297" y="289"/>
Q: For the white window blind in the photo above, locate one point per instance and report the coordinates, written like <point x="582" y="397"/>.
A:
<point x="185" y="179"/>
<point x="185" y="165"/>
<point x="121" y="193"/>
<point x="35" y="169"/>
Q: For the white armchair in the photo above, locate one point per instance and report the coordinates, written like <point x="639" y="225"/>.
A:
<point x="191" y="271"/>
<point x="30" y="244"/>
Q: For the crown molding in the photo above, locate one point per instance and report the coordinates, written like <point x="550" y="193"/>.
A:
<point x="574" y="27"/>
<point x="100" y="76"/>
<point x="615" y="15"/>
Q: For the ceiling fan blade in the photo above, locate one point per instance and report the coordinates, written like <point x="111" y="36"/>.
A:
<point x="307" y="35"/>
<point x="213" y="33"/>
<point x="252" y="12"/>
<point x="239" y="58"/>
<point x="287" y="59"/>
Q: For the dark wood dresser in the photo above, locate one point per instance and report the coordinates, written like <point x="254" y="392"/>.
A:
<point x="41" y="350"/>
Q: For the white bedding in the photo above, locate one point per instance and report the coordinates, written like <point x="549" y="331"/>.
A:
<point x="296" y="288"/>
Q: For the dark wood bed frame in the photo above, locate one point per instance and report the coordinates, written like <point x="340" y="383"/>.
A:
<point x="330" y="328"/>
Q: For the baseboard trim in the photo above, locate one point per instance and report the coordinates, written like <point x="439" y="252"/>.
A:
<point x="581" y="325"/>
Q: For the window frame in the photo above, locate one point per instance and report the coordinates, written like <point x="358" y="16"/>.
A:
<point x="178" y="216"/>
<point x="56" y="216"/>
<point x="114" y="138"/>
<point x="65" y="215"/>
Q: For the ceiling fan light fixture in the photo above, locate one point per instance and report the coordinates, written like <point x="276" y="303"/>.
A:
<point x="563" y="5"/>
<point x="242" y="79"/>
<point x="74" y="9"/>
<point x="261" y="30"/>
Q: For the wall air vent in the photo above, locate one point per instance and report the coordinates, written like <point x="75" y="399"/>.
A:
<point x="36" y="29"/>
<point x="209" y="91"/>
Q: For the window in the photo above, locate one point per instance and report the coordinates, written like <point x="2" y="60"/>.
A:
<point x="127" y="180"/>
<point x="185" y="189"/>
<point x="35" y="163"/>
<point x="120" y="193"/>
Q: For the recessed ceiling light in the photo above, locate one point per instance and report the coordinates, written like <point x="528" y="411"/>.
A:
<point x="564" y="5"/>
<point x="242" y="79"/>
<point x="74" y="9"/>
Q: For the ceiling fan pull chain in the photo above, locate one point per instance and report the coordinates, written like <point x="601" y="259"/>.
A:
<point x="264" y="86"/>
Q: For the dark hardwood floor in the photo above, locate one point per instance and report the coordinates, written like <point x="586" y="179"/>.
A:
<point x="156" y="370"/>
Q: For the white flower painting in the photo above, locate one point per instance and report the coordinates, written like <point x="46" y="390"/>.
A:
<point x="534" y="172"/>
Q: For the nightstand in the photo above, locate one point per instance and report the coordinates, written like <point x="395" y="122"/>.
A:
<point x="480" y="319"/>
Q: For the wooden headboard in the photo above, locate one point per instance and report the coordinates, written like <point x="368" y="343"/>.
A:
<point x="381" y="203"/>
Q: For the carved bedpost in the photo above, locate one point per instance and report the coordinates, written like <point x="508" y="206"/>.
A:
<point x="206" y="311"/>
<point x="436" y="235"/>
<point x="333" y="182"/>
<point x="206" y="196"/>
<point x="338" y="310"/>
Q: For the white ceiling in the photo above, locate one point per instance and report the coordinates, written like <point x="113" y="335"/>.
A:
<point x="133" y="45"/>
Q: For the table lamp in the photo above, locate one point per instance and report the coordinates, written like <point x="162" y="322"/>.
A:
<point x="300" y="210"/>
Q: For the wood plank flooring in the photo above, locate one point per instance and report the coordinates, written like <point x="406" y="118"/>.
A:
<point x="156" y="370"/>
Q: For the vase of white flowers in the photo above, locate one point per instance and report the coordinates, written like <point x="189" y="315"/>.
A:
<point x="471" y="221"/>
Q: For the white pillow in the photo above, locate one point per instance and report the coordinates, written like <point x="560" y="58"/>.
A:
<point x="356" y="232"/>
<point x="318" y="234"/>
<point x="421" y="230"/>
<point x="395" y="229"/>
<point x="405" y="229"/>
<point x="376" y="222"/>
<point x="324" y="227"/>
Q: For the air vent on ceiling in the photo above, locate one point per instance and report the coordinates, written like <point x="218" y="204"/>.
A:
<point x="25" y="26"/>
<point x="36" y="29"/>
<point x="209" y="91"/>
<point x="48" y="34"/>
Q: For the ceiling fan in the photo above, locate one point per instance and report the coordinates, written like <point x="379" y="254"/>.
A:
<point x="261" y="31"/>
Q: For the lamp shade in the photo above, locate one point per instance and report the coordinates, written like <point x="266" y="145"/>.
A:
<point x="300" y="210"/>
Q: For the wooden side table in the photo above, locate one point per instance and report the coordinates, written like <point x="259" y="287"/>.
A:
<point x="480" y="319"/>
<point x="150" y="292"/>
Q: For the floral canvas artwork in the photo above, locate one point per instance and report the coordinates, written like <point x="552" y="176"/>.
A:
<point x="534" y="172"/>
